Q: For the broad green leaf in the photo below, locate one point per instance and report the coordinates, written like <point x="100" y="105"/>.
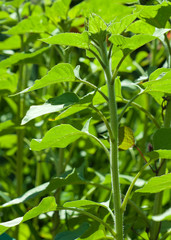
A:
<point x="72" y="235"/>
<point x="46" y="205"/>
<point x="97" y="235"/>
<point x="15" y="3"/>
<point x="161" y="86"/>
<point x="52" y="105"/>
<point x="126" y="138"/>
<point x="159" y="154"/>
<point x="142" y="27"/>
<point x="130" y="44"/>
<point x="162" y="139"/>
<point x="5" y="125"/>
<point x="159" y="73"/>
<point x="96" y="24"/>
<point x="10" y="43"/>
<point x="60" y="136"/>
<point x="157" y="184"/>
<point x="83" y="204"/>
<point x="119" y="27"/>
<point x="63" y="72"/>
<point x="33" y="24"/>
<point x="8" y="141"/>
<point x="46" y="188"/>
<point x="80" y="40"/>
<point x="8" y="81"/>
<point x="166" y="216"/>
<point x="58" y="10"/>
<point x="18" y="57"/>
<point x="82" y="104"/>
<point x="157" y="15"/>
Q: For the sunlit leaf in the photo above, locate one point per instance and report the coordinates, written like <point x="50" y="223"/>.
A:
<point x="52" y="105"/>
<point x="8" y="141"/>
<point x="79" y="40"/>
<point x="96" y="24"/>
<point x="58" y="10"/>
<point x="8" y="81"/>
<point x="60" y="136"/>
<point x="63" y="72"/>
<point x="46" y="205"/>
<point x="156" y="15"/>
<point x="130" y="44"/>
<point x="6" y="124"/>
<point x="18" y="57"/>
<point x="33" y="24"/>
<point x="166" y="216"/>
<point x="126" y="138"/>
<point x="46" y="188"/>
<point x="13" y="42"/>
<point x="159" y="154"/>
<point x="157" y="184"/>
<point x="117" y="27"/>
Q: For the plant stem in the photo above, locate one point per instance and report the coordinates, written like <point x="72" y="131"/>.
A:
<point x="91" y="216"/>
<point x="114" y="156"/>
<point x="157" y="209"/>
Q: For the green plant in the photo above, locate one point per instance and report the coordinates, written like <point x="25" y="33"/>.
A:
<point x="79" y="92"/>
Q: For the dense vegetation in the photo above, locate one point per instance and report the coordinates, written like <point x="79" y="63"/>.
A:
<point x="85" y="137"/>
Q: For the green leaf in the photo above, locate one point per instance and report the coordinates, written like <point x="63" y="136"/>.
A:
<point x="126" y="138"/>
<point x="144" y="28"/>
<point x="5" y="125"/>
<point x="160" y="86"/>
<point x="157" y="184"/>
<point x="8" y="141"/>
<point x="96" y="235"/>
<point x="130" y="44"/>
<point x="72" y="235"/>
<point x="46" y="205"/>
<point x="58" y="10"/>
<point x="83" y="103"/>
<point x="166" y="216"/>
<point x="63" y="72"/>
<point x="52" y="105"/>
<point x="157" y="15"/>
<point x="19" y="57"/>
<point x="83" y="204"/>
<point x="33" y="24"/>
<point x="15" y="3"/>
<point x="96" y="24"/>
<point x="8" y="81"/>
<point x="46" y="188"/>
<point x="80" y="40"/>
<point x="159" y="154"/>
<point x="60" y="136"/>
<point x="117" y="27"/>
<point x="159" y="73"/>
<point x="162" y="139"/>
<point x="10" y="43"/>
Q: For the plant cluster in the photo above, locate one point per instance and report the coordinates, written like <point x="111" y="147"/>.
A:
<point x="85" y="137"/>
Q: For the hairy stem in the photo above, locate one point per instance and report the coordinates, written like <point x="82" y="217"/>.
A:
<point x="114" y="156"/>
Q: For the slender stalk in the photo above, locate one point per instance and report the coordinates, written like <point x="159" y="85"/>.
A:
<point x="124" y="204"/>
<point x="114" y="156"/>
<point x="92" y="216"/>
<point x="157" y="209"/>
